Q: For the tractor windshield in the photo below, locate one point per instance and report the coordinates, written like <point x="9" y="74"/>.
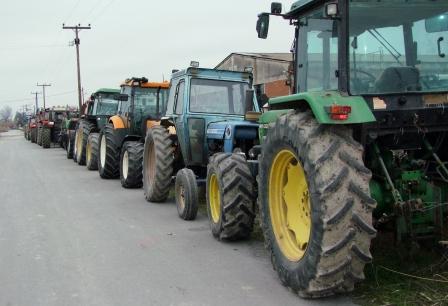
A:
<point x="145" y="100"/>
<point x="398" y="46"/>
<point x="106" y="105"/>
<point x="217" y="96"/>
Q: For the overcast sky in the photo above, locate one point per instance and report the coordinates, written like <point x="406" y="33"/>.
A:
<point x="128" y="38"/>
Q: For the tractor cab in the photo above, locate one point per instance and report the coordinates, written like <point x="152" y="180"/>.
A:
<point x="142" y="102"/>
<point x="389" y="55"/>
<point x="101" y="105"/>
<point x="208" y="108"/>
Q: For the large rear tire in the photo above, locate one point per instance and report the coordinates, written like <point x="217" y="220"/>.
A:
<point x="230" y="194"/>
<point x="46" y="137"/>
<point x="157" y="164"/>
<point x="109" y="153"/>
<point x="92" y="151"/>
<point x="83" y="131"/>
<point x="131" y="163"/>
<point x="39" y="136"/>
<point x="186" y="192"/>
<point x="33" y="135"/>
<point x="315" y="204"/>
<point x="70" y="143"/>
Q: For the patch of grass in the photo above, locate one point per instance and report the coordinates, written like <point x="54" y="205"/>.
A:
<point x="404" y="276"/>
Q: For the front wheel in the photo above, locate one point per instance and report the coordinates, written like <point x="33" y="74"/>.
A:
<point x="109" y="153"/>
<point x="230" y="195"/>
<point x="46" y="138"/>
<point x="186" y="192"/>
<point x="316" y="209"/>
<point x="92" y="151"/>
<point x="131" y="160"/>
<point x="157" y="164"/>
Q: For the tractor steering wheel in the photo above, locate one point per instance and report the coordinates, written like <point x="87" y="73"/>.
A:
<point x="361" y="84"/>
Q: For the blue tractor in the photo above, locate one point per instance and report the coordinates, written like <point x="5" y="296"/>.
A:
<point x="208" y="131"/>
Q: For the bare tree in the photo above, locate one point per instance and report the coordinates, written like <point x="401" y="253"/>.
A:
<point x="5" y="113"/>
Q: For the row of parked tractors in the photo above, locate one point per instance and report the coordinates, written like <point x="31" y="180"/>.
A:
<point x="358" y="148"/>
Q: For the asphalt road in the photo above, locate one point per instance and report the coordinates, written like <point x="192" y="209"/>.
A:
<point x="68" y="237"/>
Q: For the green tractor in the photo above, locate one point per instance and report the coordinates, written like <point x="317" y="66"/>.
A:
<point x="95" y="114"/>
<point x="361" y="146"/>
<point x="208" y="122"/>
<point x="69" y="132"/>
<point x="141" y="104"/>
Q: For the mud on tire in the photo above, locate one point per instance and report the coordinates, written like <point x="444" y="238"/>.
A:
<point x="157" y="164"/>
<point x="233" y="217"/>
<point x="340" y="203"/>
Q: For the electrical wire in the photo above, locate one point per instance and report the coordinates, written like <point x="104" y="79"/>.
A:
<point x="32" y="99"/>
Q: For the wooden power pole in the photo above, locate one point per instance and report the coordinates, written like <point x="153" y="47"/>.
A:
<point x="77" y="29"/>
<point x="43" y="90"/>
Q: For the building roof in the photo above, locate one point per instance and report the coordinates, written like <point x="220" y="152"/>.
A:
<point x="278" y="57"/>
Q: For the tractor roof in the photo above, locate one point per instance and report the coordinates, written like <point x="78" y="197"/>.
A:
<point x="144" y="83"/>
<point x="211" y="73"/>
<point x="107" y="90"/>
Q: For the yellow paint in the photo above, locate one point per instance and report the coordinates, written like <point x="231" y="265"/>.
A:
<point x="151" y="123"/>
<point x="117" y="122"/>
<point x="166" y="84"/>
<point x="214" y="198"/>
<point x="289" y="205"/>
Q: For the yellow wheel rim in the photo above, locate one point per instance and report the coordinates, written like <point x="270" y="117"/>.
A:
<point x="289" y="205"/>
<point x="214" y="198"/>
<point x="88" y="153"/>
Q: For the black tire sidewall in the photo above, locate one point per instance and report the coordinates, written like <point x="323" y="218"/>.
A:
<point x="305" y="267"/>
<point x="216" y="227"/>
<point x="190" y="194"/>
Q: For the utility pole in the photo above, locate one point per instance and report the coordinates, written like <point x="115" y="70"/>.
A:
<point x="43" y="90"/>
<point x="77" y="29"/>
<point x="37" y="104"/>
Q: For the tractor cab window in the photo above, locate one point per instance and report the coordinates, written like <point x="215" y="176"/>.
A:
<point x="180" y="97"/>
<point x="398" y="46"/>
<point x="317" y="56"/>
<point x="217" y="97"/>
<point x="171" y="96"/>
<point x="106" y="104"/>
<point x="145" y="101"/>
<point x="123" y="107"/>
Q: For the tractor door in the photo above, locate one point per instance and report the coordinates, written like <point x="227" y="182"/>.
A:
<point x="124" y="107"/>
<point x="179" y="118"/>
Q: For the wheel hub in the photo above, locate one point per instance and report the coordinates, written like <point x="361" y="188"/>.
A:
<point x="103" y="151"/>
<point x="289" y="205"/>
<point x="214" y="199"/>
<point x="125" y="164"/>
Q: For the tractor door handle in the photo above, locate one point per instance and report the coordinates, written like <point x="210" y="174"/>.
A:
<point x="439" y="47"/>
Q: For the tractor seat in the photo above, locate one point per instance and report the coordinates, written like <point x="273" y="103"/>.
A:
<point x="399" y="79"/>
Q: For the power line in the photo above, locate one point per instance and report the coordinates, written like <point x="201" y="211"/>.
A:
<point x="30" y="99"/>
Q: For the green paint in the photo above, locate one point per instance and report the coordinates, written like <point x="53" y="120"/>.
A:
<point x="265" y="119"/>
<point x="317" y="101"/>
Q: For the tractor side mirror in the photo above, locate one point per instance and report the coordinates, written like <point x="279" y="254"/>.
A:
<point x="437" y="24"/>
<point x="249" y="101"/>
<point x="121" y="97"/>
<point x="276" y="8"/>
<point x="263" y="25"/>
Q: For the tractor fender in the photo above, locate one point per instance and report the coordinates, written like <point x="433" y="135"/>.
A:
<point x="318" y="103"/>
<point x="117" y="122"/>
